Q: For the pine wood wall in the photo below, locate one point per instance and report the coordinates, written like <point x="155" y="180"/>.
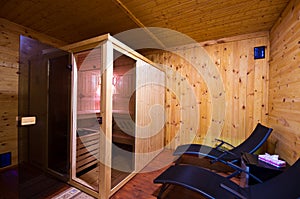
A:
<point x="245" y="81"/>
<point x="9" y="58"/>
<point x="284" y="98"/>
<point x="150" y="98"/>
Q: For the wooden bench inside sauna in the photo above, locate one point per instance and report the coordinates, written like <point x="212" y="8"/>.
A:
<point x="87" y="149"/>
<point x="123" y="129"/>
<point x="87" y="144"/>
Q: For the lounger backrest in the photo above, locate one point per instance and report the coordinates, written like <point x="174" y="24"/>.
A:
<point x="254" y="141"/>
<point x="285" y="185"/>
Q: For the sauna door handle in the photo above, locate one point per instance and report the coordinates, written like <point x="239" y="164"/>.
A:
<point x="99" y="120"/>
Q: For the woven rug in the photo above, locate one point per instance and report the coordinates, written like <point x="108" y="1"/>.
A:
<point x="72" y="193"/>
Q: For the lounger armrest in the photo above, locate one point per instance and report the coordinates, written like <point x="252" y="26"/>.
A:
<point x="219" y="158"/>
<point x="233" y="192"/>
<point x="222" y="142"/>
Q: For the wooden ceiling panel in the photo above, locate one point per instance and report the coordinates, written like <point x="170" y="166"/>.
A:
<point x="203" y="20"/>
<point x="67" y="20"/>
<point x="214" y="19"/>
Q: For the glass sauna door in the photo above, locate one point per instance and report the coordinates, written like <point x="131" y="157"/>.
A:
<point x="123" y="121"/>
<point x="88" y="118"/>
<point x="44" y="113"/>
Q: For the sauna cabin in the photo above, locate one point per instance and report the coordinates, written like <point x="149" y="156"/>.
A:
<point x="113" y="88"/>
<point x="74" y="104"/>
<point x="96" y="99"/>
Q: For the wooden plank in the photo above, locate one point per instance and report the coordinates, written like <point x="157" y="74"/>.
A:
<point x="88" y="138"/>
<point x="235" y="96"/>
<point x="122" y="138"/>
<point x="81" y="144"/>
<point x="86" y="44"/>
<point x="284" y="84"/>
<point x="250" y="79"/>
<point x="226" y="67"/>
<point x="94" y="153"/>
<point x="106" y="126"/>
<point x="73" y="129"/>
<point x="86" y="163"/>
<point x="89" y="147"/>
<point x="245" y="52"/>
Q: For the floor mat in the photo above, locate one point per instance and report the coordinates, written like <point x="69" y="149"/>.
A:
<point x="72" y="193"/>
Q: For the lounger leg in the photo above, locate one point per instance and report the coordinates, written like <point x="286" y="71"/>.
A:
<point x="162" y="189"/>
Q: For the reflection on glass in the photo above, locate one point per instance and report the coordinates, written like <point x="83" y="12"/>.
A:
<point x="123" y="126"/>
<point x="88" y="111"/>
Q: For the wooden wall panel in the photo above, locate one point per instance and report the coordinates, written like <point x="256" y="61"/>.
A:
<point x="9" y="58"/>
<point x="245" y="82"/>
<point x="150" y="116"/>
<point x="284" y="90"/>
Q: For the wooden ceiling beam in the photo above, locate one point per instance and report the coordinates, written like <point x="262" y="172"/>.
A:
<point x="138" y="22"/>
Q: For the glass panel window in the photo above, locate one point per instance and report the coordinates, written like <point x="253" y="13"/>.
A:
<point x="88" y="117"/>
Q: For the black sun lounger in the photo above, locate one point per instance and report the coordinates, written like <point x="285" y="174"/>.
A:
<point x="212" y="185"/>
<point x="218" y="153"/>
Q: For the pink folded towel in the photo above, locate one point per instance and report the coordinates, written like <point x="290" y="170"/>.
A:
<point x="272" y="159"/>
